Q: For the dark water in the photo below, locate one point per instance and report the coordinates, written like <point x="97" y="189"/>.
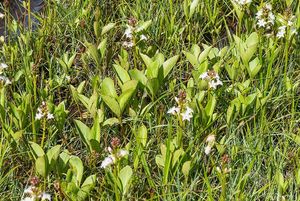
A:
<point x="18" y="12"/>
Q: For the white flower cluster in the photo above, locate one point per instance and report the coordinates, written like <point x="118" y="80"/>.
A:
<point x="3" y="80"/>
<point x="212" y="77"/>
<point x="32" y="193"/>
<point x="130" y="34"/>
<point x="43" y="112"/>
<point x="242" y="2"/>
<point x="210" y="140"/>
<point x="182" y="109"/>
<point x="289" y="24"/>
<point x="113" y="157"/>
<point x="265" y="17"/>
<point x="223" y="171"/>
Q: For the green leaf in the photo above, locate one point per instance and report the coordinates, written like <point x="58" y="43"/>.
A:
<point x="71" y="60"/>
<point x="229" y="113"/>
<point x="153" y="86"/>
<point x="86" y="187"/>
<point x="17" y="135"/>
<point x="169" y="64"/>
<point x="41" y="166"/>
<point x="209" y="108"/>
<point x="280" y="179"/>
<point x="193" y="7"/>
<point x="124" y="98"/>
<point x="112" y="104"/>
<point x="102" y="47"/>
<point x="142" y="135"/>
<point x="80" y="87"/>
<point x="37" y="149"/>
<point x="254" y="67"/>
<point x="203" y="56"/>
<point x="52" y="155"/>
<point x="247" y="49"/>
<point x="125" y="175"/>
<point x="96" y="130"/>
<point x="297" y="177"/>
<point x="160" y="161"/>
<point x="143" y="26"/>
<point x="91" y="180"/>
<point x="122" y="73"/>
<point x="84" y="100"/>
<point x="147" y="60"/>
<point x="139" y="76"/>
<point x="176" y="156"/>
<point x="108" y="88"/>
<point x="84" y="133"/>
<point x="63" y="159"/>
<point x="107" y="28"/>
<point x="159" y="58"/>
<point x="93" y="52"/>
<point x="129" y="85"/>
<point x="191" y="58"/>
<point x="97" y="28"/>
<point x="111" y="121"/>
<point x="186" y="168"/>
<point x="77" y="168"/>
<point x="249" y="99"/>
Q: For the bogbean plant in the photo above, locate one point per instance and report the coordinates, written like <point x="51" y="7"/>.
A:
<point x="97" y="109"/>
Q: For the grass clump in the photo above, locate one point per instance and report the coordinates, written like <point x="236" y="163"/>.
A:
<point x="161" y="100"/>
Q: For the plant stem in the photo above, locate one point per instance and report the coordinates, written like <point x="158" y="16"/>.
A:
<point x="44" y="132"/>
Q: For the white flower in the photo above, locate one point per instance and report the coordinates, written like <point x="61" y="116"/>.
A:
<point x="214" y="83"/>
<point x="268" y="6"/>
<point x="265" y="17"/>
<point x="43" y="103"/>
<point x="227" y="170"/>
<point x="259" y="14"/>
<point x="293" y="31"/>
<point x="204" y="76"/>
<point x="261" y="23"/>
<point x="243" y="2"/>
<point x="45" y="197"/>
<point x="109" y="149"/>
<point x="39" y="116"/>
<point x="29" y="191"/>
<point x="68" y="78"/>
<point x="210" y="143"/>
<point x="187" y="115"/>
<point x="122" y="153"/>
<point x="50" y="116"/>
<point x="271" y="18"/>
<point x="212" y="77"/>
<point x="211" y="138"/>
<point x="4" y="80"/>
<point x="2" y="15"/>
<point x="128" y="44"/>
<point x="128" y="33"/>
<point x="281" y="32"/>
<point x="207" y="150"/>
<point x="143" y="37"/>
<point x="3" y="66"/>
<point x="174" y="110"/>
<point x="108" y="161"/>
<point x="2" y="39"/>
<point x="218" y="169"/>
